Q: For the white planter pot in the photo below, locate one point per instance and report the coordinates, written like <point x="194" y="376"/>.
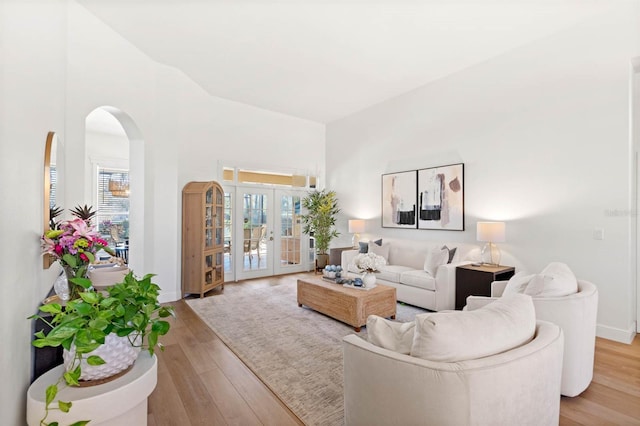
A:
<point x="117" y="353"/>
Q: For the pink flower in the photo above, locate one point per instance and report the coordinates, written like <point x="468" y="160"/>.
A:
<point x="82" y="229"/>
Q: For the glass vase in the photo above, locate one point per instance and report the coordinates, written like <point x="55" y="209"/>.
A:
<point x="74" y="289"/>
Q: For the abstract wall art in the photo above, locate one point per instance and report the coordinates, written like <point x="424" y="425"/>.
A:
<point x="399" y="200"/>
<point x="441" y="198"/>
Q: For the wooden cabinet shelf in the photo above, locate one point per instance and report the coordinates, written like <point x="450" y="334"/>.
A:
<point x="202" y="237"/>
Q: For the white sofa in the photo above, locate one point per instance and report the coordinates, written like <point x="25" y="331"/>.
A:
<point x="405" y="271"/>
<point x="576" y="315"/>
<point x="518" y="387"/>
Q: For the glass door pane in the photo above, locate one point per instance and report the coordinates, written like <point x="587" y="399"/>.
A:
<point x="228" y="236"/>
<point x="290" y="240"/>
<point x="254" y="253"/>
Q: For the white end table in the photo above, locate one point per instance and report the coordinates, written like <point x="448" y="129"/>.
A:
<point x="120" y="402"/>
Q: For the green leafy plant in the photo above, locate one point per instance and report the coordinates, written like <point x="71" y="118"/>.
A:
<point x="130" y="308"/>
<point x="322" y="208"/>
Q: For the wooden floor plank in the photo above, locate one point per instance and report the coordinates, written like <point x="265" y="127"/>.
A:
<point x="197" y="402"/>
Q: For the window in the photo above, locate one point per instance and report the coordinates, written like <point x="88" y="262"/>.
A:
<point x="268" y="178"/>
<point x="113" y="205"/>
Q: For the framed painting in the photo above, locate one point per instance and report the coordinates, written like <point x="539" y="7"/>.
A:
<point x="441" y="198"/>
<point x="399" y="200"/>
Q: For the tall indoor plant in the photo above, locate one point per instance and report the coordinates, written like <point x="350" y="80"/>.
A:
<point x="322" y="209"/>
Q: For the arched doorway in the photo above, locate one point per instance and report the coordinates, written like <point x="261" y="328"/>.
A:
<point x="115" y="153"/>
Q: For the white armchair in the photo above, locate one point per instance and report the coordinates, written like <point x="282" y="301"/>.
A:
<point x="520" y="386"/>
<point x="576" y="315"/>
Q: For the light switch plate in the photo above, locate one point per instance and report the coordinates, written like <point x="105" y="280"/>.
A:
<point x="598" y="234"/>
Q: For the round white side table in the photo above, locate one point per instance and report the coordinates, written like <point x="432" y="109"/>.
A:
<point x="120" y="402"/>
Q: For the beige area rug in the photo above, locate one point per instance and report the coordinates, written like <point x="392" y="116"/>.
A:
<point x="295" y="351"/>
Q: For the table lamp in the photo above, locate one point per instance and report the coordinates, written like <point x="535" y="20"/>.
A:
<point x="356" y="226"/>
<point x="491" y="233"/>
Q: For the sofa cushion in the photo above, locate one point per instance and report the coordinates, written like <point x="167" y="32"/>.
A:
<point x="555" y="280"/>
<point x="418" y="278"/>
<point x="435" y="258"/>
<point x="364" y="246"/>
<point x="395" y="336"/>
<point x="392" y="272"/>
<point x="453" y="336"/>
<point x="517" y="283"/>
<point x="452" y="252"/>
<point x="380" y="250"/>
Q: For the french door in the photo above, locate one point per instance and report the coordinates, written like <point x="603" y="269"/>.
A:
<point x="267" y="234"/>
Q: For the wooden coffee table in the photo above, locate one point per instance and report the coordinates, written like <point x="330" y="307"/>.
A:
<point x="349" y="305"/>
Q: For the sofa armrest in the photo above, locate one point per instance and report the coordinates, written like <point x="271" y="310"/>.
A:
<point x="346" y="258"/>
<point x="446" y="285"/>
<point x="497" y="288"/>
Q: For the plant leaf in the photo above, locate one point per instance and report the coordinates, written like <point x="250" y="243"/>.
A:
<point x="64" y="406"/>
<point x="53" y="308"/>
<point x="50" y="393"/>
<point x="160" y="327"/>
<point x="95" y="360"/>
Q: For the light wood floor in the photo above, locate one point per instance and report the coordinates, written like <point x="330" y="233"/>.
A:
<point x="201" y="382"/>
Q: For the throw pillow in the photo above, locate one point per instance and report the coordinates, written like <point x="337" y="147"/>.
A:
<point x="504" y="324"/>
<point x="452" y="252"/>
<point x="517" y="283"/>
<point x="435" y="258"/>
<point x="364" y="246"/>
<point x="379" y="249"/>
<point x="556" y="280"/>
<point x="395" y="336"/>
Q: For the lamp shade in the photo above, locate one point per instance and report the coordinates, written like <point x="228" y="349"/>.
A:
<point x="356" y="225"/>
<point x="493" y="232"/>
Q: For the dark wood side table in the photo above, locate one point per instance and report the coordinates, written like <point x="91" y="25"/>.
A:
<point x="476" y="280"/>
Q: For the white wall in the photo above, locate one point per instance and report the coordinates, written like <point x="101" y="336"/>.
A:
<point x="32" y="80"/>
<point x="544" y="135"/>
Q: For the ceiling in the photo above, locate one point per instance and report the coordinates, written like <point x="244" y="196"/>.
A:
<point x="324" y="60"/>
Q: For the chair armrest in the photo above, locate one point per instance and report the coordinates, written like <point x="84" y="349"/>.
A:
<point x="497" y="288"/>
<point x="477" y="302"/>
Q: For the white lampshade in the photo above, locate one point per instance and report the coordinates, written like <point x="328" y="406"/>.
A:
<point x="491" y="232"/>
<point x="356" y="225"/>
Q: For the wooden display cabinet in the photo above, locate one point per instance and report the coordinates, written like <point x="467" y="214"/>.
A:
<point x="202" y="237"/>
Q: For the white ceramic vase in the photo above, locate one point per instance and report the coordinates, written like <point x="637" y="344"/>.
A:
<point x="117" y="353"/>
<point x="368" y="280"/>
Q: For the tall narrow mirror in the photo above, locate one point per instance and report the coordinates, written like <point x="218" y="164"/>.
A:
<point x="50" y="185"/>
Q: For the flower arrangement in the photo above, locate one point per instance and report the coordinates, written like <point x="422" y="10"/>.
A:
<point x="74" y="244"/>
<point x="369" y="262"/>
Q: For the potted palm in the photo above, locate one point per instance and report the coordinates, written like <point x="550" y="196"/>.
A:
<point x="320" y="220"/>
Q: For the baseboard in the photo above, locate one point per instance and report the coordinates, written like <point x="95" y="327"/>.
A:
<point x="617" y="334"/>
<point x="169" y="296"/>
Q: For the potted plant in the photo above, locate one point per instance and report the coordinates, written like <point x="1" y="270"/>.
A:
<point x="95" y="328"/>
<point x="128" y="310"/>
<point x="320" y="220"/>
